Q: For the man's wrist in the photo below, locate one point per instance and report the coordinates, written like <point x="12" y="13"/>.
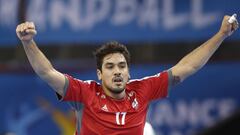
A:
<point x="222" y="35"/>
<point x="29" y="42"/>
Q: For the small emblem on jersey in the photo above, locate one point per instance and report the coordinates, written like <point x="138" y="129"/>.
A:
<point x="135" y="103"/>
<point x="98" y="93"/>
<point x="104" y="108"/>
<point x="103" y="96"/>
<point x="130" y="94"/>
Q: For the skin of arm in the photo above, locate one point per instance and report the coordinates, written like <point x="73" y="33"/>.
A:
<point x="196" y="59"/>
<point x="40" y="64"/>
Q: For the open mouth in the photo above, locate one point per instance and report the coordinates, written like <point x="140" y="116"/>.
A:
<point x="118" y="79"/>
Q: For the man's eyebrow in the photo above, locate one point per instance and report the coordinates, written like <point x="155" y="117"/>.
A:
<point x="123" y="62"/>
<point x="109" y="63"/>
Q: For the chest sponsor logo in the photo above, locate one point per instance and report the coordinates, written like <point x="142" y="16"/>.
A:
<point x="104" y="108"/>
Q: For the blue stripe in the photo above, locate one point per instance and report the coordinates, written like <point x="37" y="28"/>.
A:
<point x="75" y="105"/>
<point x="60" y="98"/>
<point x="78" y="120"/>
<point x="170" y="79"/>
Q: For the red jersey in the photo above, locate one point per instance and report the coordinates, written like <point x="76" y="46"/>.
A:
<point x="103" y="115"/>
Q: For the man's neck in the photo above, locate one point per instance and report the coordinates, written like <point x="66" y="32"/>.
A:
<point x="114" y="95"/>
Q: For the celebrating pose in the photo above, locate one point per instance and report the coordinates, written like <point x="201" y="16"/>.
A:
<point x="118" y="105"/>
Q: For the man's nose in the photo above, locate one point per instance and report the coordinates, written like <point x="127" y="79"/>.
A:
<point x="117" y="72"/>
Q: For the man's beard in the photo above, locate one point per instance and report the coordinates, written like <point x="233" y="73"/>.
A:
<point x="116" y="90"/>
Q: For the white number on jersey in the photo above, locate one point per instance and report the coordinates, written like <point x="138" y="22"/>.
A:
<point x="120" y="115"/>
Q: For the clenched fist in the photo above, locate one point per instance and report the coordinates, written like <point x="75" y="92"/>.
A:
<point x="26" y="31"/>
<point x="228" y="28"/>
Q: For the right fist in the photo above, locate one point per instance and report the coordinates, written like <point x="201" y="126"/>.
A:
<point x="26" y="31"/>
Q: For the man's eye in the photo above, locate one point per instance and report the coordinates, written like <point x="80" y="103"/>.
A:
<point x="109" y="67"/>
<point x="122" y="66"/>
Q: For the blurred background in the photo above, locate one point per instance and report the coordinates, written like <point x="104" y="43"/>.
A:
<point x="158" y="33"/>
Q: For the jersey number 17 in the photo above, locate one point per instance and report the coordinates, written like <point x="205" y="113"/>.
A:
<point x="122" y="116"/>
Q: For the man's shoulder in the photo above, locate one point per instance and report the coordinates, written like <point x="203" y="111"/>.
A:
<point x="89" y="84"/>
<point x="141" y="80"/>
<point x="146" y="78"/>
<point x="92" y="84"/>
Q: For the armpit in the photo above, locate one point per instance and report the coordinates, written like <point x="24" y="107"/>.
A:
<point x="173" y="80"/>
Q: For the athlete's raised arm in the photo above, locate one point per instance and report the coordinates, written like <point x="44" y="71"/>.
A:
<point x="196" y="59"/>
<point x="41" y="65"/>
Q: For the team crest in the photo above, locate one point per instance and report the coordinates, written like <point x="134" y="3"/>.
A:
<point x="135" y="103"/>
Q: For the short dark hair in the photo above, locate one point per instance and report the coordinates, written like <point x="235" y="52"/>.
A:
<point x="108" y="48"/>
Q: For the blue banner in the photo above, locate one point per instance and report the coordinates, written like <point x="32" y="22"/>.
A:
<point x="81" y="21"/>
<point x="29" y="106"/>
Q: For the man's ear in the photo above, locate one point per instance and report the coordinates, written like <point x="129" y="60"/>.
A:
<point x="99" y="74"/>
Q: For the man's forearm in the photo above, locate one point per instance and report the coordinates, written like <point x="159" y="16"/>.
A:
<point x="41" y="65"/>
<point x="195" y="60"/>
<point x="37" y="59"/>
<point x="199" y="57"/>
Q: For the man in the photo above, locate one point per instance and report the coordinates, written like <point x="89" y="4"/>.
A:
<point x="118" y="106"/>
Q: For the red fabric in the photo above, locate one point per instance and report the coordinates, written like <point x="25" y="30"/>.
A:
<point x="104" y="115"/>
